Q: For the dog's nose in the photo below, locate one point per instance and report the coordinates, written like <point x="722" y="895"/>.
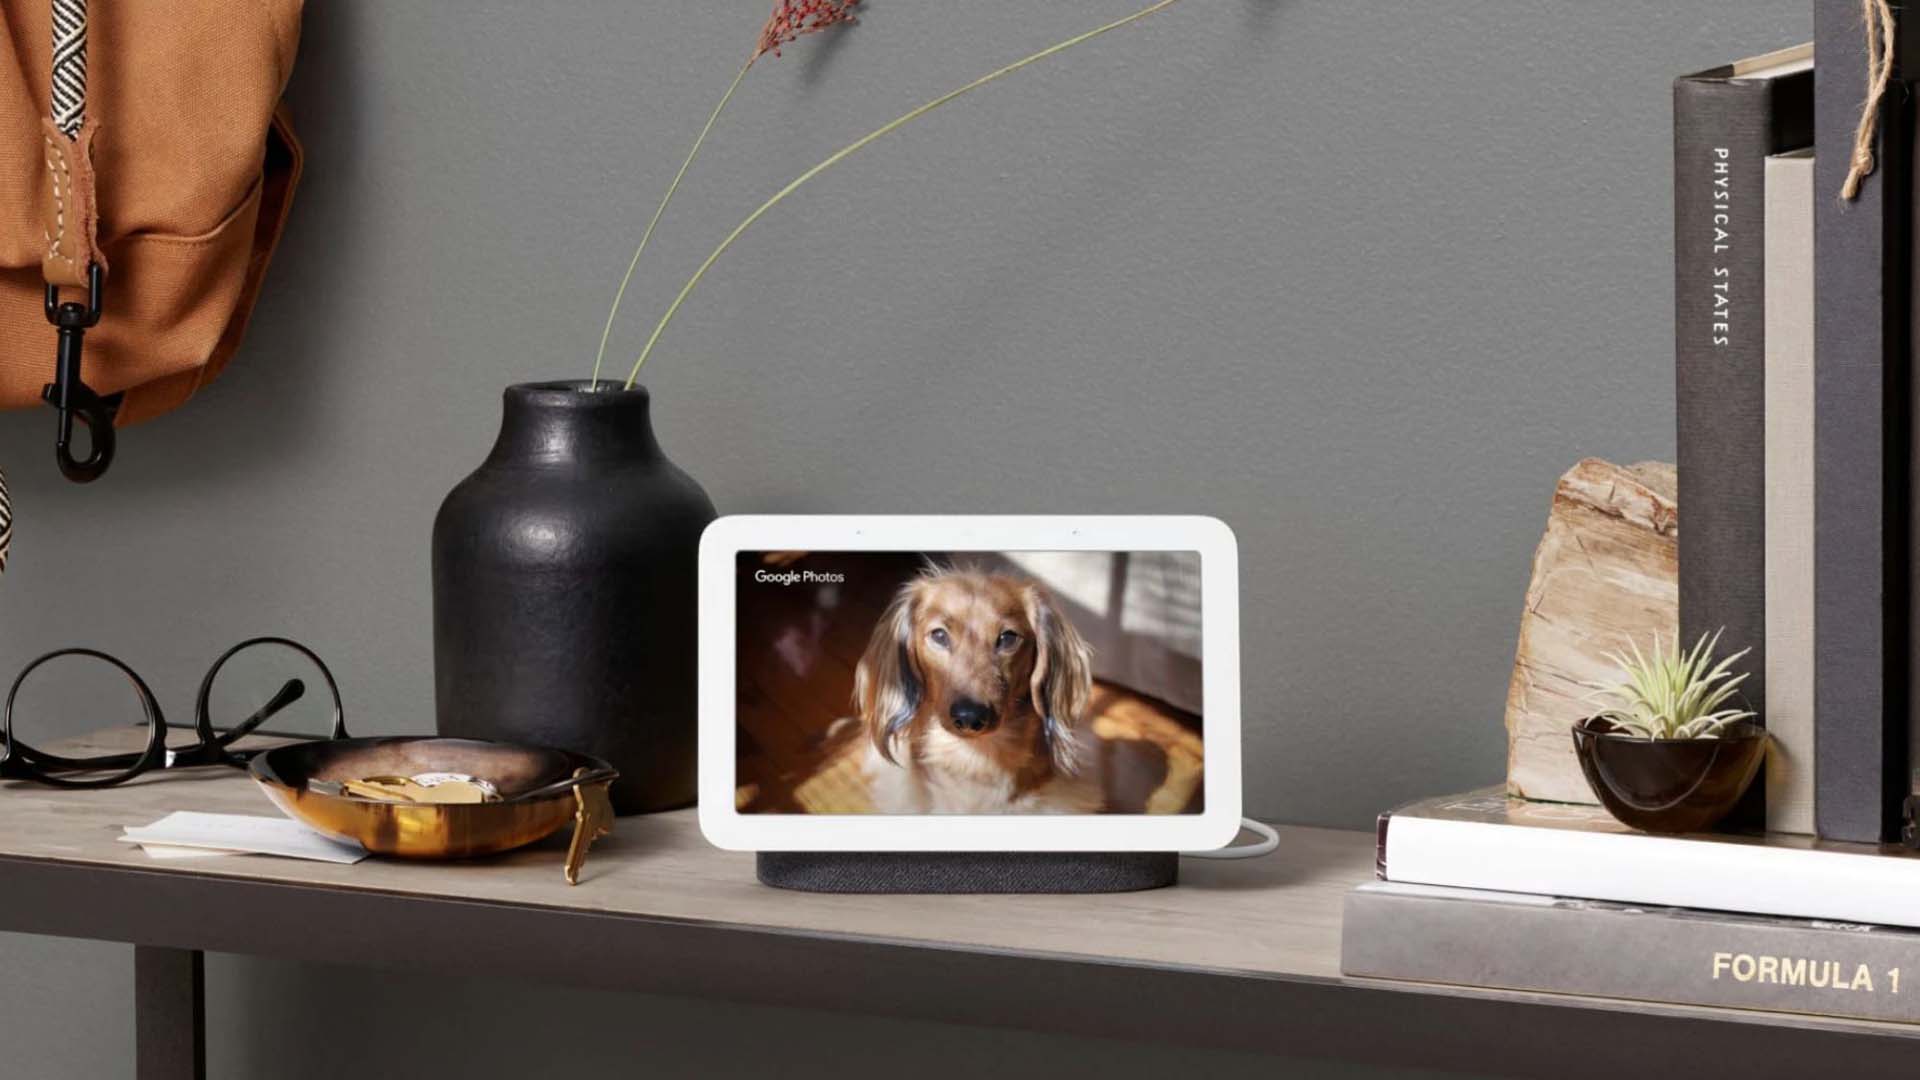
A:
<point x="970" y="715"/>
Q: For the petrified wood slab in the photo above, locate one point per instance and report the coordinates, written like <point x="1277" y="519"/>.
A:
<point x="1606" y="570"/>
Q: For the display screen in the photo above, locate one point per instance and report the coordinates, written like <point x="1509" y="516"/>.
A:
<point x="1019" y="682"/>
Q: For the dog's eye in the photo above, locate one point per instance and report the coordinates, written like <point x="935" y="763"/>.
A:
<point x="940" y="638"/>
<point x="1008" y="639"/>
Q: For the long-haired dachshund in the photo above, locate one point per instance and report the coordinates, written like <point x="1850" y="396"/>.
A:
<point x="972" y="692"/>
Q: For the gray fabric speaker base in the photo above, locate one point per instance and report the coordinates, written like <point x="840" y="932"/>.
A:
<point x="967" y="871"/>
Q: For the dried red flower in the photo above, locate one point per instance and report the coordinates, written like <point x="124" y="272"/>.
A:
<point x="793" y="19"/>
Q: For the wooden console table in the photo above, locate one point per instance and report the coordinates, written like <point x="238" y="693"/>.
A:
<point x="1242" y="955"/>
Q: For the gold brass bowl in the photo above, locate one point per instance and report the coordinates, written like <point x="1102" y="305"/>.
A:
<point x="439" y="830"/>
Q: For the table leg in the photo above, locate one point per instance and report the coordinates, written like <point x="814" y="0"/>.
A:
<point x="169" y="1005"/>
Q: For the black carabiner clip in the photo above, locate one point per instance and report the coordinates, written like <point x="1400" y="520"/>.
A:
<point x="70" y="397"/>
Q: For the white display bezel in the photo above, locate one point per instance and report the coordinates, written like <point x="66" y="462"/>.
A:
<point x="1214" y="827"/>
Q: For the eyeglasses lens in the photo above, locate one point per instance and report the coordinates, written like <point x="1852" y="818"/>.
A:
<point x="276" y="684"/>
<point x="86" y="711"/>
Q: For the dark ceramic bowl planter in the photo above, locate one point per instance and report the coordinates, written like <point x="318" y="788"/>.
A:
<point x="1669" y="785"/>
<point x="565" y="594"/>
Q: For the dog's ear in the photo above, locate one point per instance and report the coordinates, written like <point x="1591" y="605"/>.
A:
<point x="886" y="689"/>
<point x="1062" y="678"/>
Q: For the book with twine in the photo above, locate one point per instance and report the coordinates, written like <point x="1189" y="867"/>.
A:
<point x="1862" y="331"/>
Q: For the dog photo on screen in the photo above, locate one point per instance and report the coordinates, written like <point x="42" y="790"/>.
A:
<point x="977" y="683"/>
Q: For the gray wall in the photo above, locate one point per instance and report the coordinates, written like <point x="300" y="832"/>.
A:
<point x="1360" y="279"/>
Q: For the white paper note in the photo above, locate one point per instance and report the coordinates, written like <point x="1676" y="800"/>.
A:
<point x="245" y="834"/>
<point x="170" y="851"/>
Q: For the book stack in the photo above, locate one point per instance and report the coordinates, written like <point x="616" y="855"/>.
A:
<point x="1794" y="315"/>
<point x="1485" y="890"/>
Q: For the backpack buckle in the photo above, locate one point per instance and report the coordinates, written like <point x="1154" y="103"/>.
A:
<point x="71" y="398"/>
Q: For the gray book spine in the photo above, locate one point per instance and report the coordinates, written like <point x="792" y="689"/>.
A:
<point x="1861" y="504"/>
<point x="1664" y="955"/>
<point x="1789" y="659"/>
<point x="1724" y="127"/>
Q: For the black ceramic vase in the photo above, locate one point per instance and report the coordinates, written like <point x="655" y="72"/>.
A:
<point x="564" y="591"/>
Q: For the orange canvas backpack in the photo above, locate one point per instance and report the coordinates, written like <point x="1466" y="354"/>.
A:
<point x="146" y="168"/>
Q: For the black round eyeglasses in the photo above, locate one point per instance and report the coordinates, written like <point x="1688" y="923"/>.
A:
<point x="20" y="761"/>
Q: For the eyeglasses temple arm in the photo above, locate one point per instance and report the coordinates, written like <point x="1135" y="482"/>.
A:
<point x="290" y="691"/>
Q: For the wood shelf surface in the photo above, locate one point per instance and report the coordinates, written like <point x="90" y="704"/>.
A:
<point x="1278" y="916"/>
<point x="1241" y="955"/>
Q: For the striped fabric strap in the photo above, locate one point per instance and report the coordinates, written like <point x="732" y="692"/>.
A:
<point x="6" y="521"/>
<point x="69" y="65"/>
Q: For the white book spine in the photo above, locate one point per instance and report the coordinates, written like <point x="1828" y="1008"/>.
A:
<point x="1636" y="868"/>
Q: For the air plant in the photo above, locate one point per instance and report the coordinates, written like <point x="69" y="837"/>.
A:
<point x="838" y="156"/>
<point x="791" y="20"/>
<point x="1671" y="694"/>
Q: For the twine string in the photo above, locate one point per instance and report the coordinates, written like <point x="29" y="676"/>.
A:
<point x="1878" y="16"/>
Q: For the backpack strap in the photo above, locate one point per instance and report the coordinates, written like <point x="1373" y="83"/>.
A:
<point x="69" y="65"/>
<point x="73" y="256"/>
<point x="70" y="219"/>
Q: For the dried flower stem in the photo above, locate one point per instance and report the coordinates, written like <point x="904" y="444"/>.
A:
<point x="790" y="21"/>
<point x="621" y="293"/>
<point x="853" y="147"/>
